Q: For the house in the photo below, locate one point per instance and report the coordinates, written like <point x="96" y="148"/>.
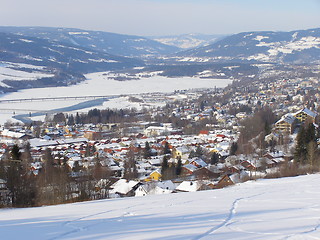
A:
<point x="272" y="137"/>
<point x="286" y="124"/>
<point x="271" y="155"/>
<point x="168" y="184"/>
<point x="180" y="152"/>
<point x="124" y="188"/>
<point x="92" y="135"/>
<point x="199" y="163"/>
<point x="154" y="176"/>
<point x="188" y="169"/>
<point x="231" y="179"/>
<point x="14" y="135"/>
<point x="224" y="182"/>
<point x="157" y="131"/>
<point x="304" y="114"/>
<point x="150" y="189"/>
<point x="205" y="173"/>
<point x="252" y="165"/>
<point x="189" y="186"/>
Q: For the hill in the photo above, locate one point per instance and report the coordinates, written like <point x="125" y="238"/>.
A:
<point x="284" y="208"/>
<point x="186" y="41"/>
<point x="106" y="42"/>
<point x="302" y="46"/>
<point x="33" y="62"/>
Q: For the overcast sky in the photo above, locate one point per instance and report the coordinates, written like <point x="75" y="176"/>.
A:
<point x="164" y="17"/>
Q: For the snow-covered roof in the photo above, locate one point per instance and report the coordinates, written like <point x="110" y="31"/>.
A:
<point x="151" y="190"/>
<point x="189" y="186"/>
<point x="11" y="134"/>
<point x="275" y="154"/>
<point x="190" y="167"/>
<point x="307" y="111"/>
<point x="123" y="186"/>
<point x="166" y="185"/>
<point x="199" y="162"/>
<point x="38" y="142"/>
<point x="287" y="118"/>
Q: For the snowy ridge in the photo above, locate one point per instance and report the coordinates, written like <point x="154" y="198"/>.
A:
<point x="301" y="46"/>
<point x="284" y="208"/>
<point x="112" y="43"/>
<point x="186" y="41"/>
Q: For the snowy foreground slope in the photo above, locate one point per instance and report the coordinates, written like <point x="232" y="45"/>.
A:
<point x="286" y="208"/>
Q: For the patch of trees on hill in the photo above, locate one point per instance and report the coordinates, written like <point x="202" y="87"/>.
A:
<point x="95" y="116"/>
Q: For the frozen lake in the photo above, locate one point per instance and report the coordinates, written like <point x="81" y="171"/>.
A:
<point x="98" y="84"/>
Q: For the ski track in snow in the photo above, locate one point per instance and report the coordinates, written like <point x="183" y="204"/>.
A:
<point x="305" y="232"/>
<point x="285" y="208"/>
<point x="79" y="229"/>
<point x="225" y="223"/>
<point x="76" y="229"/>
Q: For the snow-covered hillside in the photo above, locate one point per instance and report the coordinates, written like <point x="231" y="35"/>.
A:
<point x="286" y="208"/>
<point x="21" y="72"/>
<point x="112" y="43"/>
<point x="188" y="40"/>
<point x="301" y="46"/>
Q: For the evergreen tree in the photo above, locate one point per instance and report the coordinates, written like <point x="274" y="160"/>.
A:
<point x="15" y="152"/>
<point x="147" y="150"/>
<point x="199" y="152"/>
<point x="214" y="158"/>
<point x="70" y="120"/>
<point x="233" y="148"/>
<point x="179" y="167"/>
<point x="164" y="165"/>
<point x="310" y="134"/>
<point x="301" y="146"/>
<point x="166" y="149"/>
<point x="311" y="152"/>
<point x="305" y="145"/>
<point x="78" y="119"/>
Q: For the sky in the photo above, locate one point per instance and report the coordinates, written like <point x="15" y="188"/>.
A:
<point x="164" y="17"/>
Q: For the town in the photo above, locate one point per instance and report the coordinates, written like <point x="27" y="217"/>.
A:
<point x="197" y="139"/>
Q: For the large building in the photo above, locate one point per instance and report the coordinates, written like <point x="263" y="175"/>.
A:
<point x="286" y="124"/>
<point x="289" y="121"/>
<point x="304" y="114"/>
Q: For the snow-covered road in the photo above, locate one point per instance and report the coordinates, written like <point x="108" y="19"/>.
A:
<point x="285" y="208"/>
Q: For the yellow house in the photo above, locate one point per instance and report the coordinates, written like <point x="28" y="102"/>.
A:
<point x="154" y="176"/>
<point x="180" y="152"/>
<point x="304" y="114"/>
<point x="286" y="124"/>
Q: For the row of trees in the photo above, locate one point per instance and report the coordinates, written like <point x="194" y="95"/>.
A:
<point x="54" y="183"/>
<point x="95" y="116"/>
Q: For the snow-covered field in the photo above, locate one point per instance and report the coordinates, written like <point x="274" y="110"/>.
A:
<point x="286" y="208"/>
<point x="10" y="71"/>
<point x="98" y="84"/>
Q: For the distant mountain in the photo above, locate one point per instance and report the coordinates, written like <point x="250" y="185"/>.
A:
<point x="61" y="63"/>
<point x="301" y="46"/>
<point x="188" y="40"/>
<point x="112" y="43"/>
